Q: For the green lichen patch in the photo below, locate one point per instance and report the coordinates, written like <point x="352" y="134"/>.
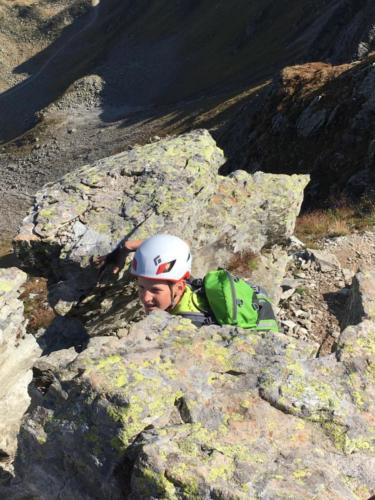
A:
<point x="325" y="394"/>
<point x="313" y="395"/>
<point x="211" y="354"/>
<point x="348" y="445"/>
<point x="6" y="286"/>
<point x="154" y="484"/>
<point x="357" y="341"/>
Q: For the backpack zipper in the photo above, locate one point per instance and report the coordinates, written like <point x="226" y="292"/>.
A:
<point x="234" y="296"/>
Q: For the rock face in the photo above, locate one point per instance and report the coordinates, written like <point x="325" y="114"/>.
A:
<point x="313" y="118"/>
<point x="18" y="352"/>
<point x="158" y="408"/>
<point x="173" y="412"/>
<point x="167" y="186"/>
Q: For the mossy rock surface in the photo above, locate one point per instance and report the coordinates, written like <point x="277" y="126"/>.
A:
<point x="170" y="186"/>
<point x="172" y="411"/>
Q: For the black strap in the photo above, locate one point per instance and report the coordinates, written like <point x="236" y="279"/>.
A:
<point x="199" y="319"/>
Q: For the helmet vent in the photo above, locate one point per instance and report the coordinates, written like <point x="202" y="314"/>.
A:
<point x="165" y="267"/>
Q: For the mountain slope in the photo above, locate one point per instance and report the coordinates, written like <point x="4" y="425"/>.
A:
<point x="316" y="119"/>
<point x="167" y="52"/>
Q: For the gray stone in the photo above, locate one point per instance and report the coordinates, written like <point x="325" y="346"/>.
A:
<point x="361" y="301"/>
<point x="291" y="325"/>
<point x="287" y="294"/>
<point x="18" y="351"/>
<point x="170" y="411"/>
<point x="327" y="261"/>
<point x="358" y="340"/>
<point x="169" y="186"/>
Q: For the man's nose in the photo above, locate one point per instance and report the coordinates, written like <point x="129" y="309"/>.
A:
<point x="147" y="296"/>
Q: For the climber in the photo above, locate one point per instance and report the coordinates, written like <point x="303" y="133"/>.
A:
<point x="162" y="265"/>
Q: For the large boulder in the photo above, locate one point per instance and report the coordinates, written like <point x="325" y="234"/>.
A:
<point x="167" y="186"/>
<point x="171" y="411"/>
<point x="18" y="351"/>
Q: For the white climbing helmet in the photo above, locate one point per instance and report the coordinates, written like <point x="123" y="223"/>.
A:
<point x="162" y="257"/>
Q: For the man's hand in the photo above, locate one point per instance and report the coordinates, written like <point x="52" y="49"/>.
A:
<point x="117" y="258"/>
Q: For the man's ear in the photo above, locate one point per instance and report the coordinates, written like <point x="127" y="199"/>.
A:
<point x="180" y="286"/>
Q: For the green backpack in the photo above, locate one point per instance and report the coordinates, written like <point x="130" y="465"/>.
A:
<point x="234" y="301"/>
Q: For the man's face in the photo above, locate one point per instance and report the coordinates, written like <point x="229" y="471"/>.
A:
<point x="157" y="294"/>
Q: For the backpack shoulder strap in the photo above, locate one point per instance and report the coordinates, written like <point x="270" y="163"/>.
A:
<point x="194" y="305"/>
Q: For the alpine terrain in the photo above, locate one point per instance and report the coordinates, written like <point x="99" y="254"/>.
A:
<point x="247" y="130"/>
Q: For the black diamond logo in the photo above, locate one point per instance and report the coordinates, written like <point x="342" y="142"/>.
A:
<point x="157" y="260"/>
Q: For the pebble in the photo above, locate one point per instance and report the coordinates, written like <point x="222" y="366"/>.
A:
<point x="289" y="324"/>
<point x="287" y="294"/>
<point x="303" y="331"/>
<point x="289" y="283"/>
<point x="306" y="323"/>
<point x="301" y="313"/>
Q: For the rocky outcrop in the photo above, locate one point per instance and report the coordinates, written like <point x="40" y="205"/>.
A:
<point x="170" y="411"/>
<point x="313" y="118"/>
<point x="158" y="408"/>
<point x="167" y="186"/>
<point x="18" y="352"/>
